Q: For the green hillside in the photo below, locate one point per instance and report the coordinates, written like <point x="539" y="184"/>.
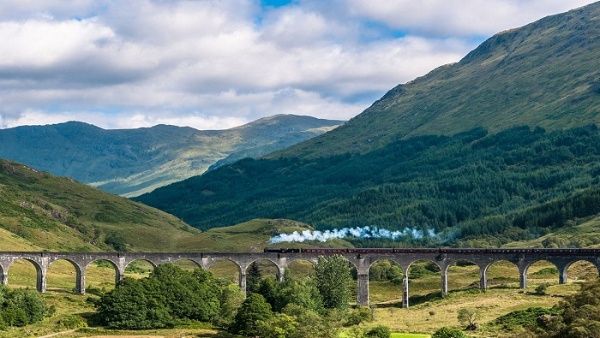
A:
<point x="132" y="161"/>
<point x="544" y="74"/>
<point x="471" y="184"/>
<point x="38" y="210"/>
<point x="251" y="236"/>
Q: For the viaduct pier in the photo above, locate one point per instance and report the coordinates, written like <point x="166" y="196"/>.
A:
<point x="360" y="258"/>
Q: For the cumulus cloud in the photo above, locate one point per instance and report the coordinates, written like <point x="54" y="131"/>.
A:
<point x="458" y="17"/>
<point x="215" y="64"/>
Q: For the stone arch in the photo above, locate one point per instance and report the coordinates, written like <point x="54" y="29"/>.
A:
<point x="387" y="275"/>
<point x="300" y="267"/>
<point x="265" y="268"/>
<point x="135" y="268"/>
<point x="475" y="273"/>
<point x="40" y="283"/>
<point x="96" y="271"/>
<point x="546" y="272"/>
<point x="500" y="280"/>
<point x="221" y="268"/>
<point x="187" y="264"/>
<point x="426" y="277"/>
<point x="58" y="277"/>
<point x="590" y="265"/>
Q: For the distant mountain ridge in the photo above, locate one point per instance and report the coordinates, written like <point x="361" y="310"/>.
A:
<point x="545" y="74"/>
<point x="133" y="161"/>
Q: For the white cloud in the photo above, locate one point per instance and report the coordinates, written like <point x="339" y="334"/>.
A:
<point x="459" y="17"/>
<point x="216" y="64"/>
<point x="128" y="120"/>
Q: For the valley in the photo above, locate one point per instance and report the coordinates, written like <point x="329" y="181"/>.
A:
<point x="500" y="149"/>
<point x="130" y="162"/>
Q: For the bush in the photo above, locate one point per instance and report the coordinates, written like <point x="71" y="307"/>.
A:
<point x="254" y="310"/>
<point x="447" y="332"/>
<point x="116" y="241"/>
<point x="20" y="307"/>
<point x="524" y="318"/>
<point x="468" y="318"/>
<point x="313" y="324"/>
<point x="579" y="315"/>
<point x="278" y="326"/>
<point x="358" y="316"/>
<point x="379" y="332"/>
<point x="169" y="295"/>
<point x="71" y="322"/>
<point x="541" y="289"/>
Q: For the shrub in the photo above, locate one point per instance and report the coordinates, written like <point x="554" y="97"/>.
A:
<point x="541" y="289"/>
<point x="523" y="318"/>
<point x="254" y="310"/>
<point x="278" y="326"/>
<point x="313" y="324"/>
<point x="20" y="307"/>
<point x="116" y="241"/>
<point x="358" y="316"/>
<point x="379" y="332"/>
<point x="447" y="332"/>
<point x="468" y="318"/>
<point x="578" y="316"/>
<point x="71" y="322"/>
<point x="169" y="295"/>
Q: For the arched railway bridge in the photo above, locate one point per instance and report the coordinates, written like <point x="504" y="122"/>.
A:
<point x="360" y="258"/>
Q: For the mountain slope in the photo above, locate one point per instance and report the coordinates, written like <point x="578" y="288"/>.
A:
<point x="468" y="184"/>
<point x="55" y="213"/>
<point x="543" y="74"/>
<point x="130" y="162"/>
<point x="378" y="169"/>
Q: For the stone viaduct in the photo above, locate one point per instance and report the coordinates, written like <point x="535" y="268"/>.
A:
<point x="361" y="259"/>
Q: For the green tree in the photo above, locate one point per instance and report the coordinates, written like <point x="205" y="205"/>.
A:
<point x="134" y="304"/>
<point x="447" y="332"/>
<point x="312" y="324"/>
<point x="20" y="307"/>
<point x="253" y="310"/>
<point x="231" y="299"/>
<point x="334" y="281"/>
<point x="280" y="325"/>
<point x="253" y="278"/>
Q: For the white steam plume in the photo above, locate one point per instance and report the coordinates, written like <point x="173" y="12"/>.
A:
<point x="362" y="232"/>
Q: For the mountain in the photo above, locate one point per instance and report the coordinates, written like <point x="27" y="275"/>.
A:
<point x="469" y="150"/>
<point x="543" y="74"/>
<point x="39" y="211"/>
<point x="132" y="161"/>
<point x="58" y="213"/>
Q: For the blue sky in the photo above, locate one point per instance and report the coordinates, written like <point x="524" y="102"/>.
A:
<point x="218" y="64"/>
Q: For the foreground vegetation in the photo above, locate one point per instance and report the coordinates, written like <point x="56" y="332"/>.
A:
<point x="427" y="314"/>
